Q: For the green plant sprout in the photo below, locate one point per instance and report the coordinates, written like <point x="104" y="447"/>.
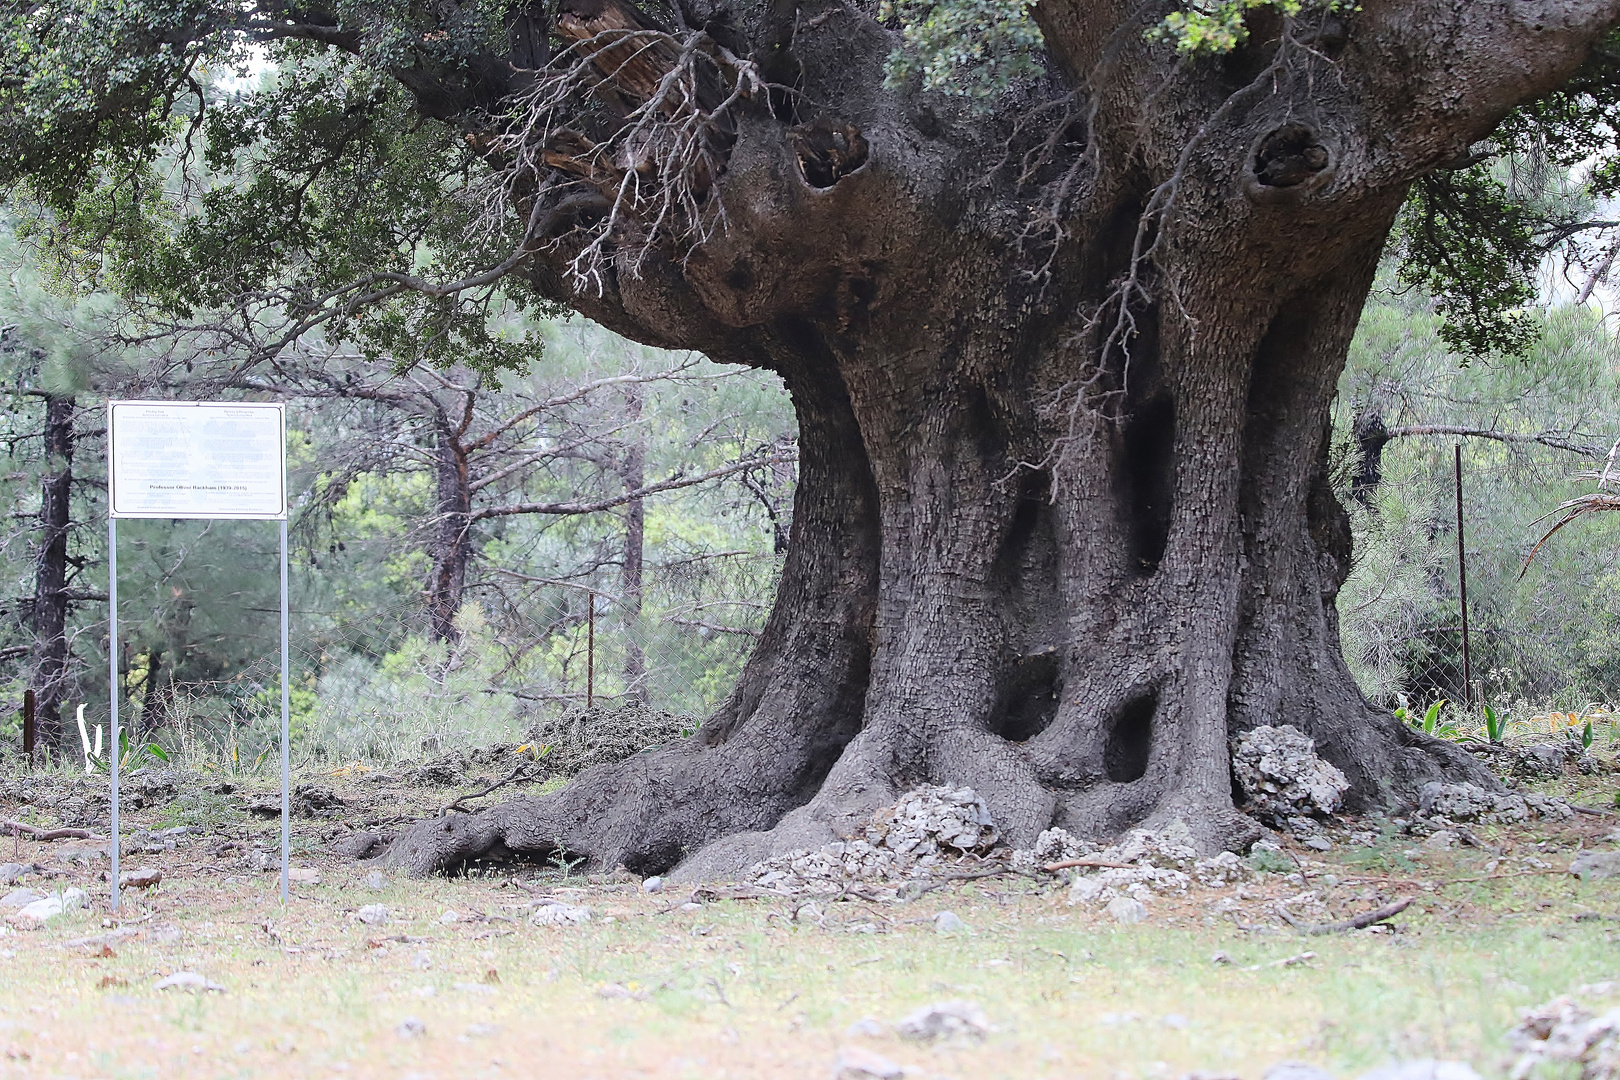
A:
<point x="1495" y="725"/>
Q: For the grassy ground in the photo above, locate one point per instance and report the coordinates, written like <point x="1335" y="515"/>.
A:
<point x="739" y="989"/>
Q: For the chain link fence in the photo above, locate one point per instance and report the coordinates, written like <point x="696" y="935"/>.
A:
<point x="1543" y="633"/>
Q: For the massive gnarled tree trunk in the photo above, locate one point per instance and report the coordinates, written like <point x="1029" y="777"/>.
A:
<point x="1062" y="371"/>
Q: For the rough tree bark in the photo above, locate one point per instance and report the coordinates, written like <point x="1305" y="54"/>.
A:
<point x="452" y="529"/>
<point x="49" y="675"/>
<point x="633" y="474"/>
<point x="1063" y="372"/>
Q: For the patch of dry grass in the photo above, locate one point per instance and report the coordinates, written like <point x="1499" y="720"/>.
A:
<point x="738" y="989"/>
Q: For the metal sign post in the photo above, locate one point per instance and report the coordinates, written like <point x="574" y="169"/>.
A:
<point x="195" y="459"/>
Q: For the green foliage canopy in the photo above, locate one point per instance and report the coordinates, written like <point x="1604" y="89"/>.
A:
<point x="321" y="197"/>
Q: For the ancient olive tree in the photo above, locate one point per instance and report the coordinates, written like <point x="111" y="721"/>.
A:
<point x="1060" y="293"/>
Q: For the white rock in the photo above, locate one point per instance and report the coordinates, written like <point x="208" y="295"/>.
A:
<point x="375" y="880"/>
<point x="74" y="899"/>
<point x="1127" y="909"/>
<point x="1283" y="776"/>
<point x="373" y="914"/>
<point x="948" y="922"/>
<point x="652" y="884"/>
<point x="40" y="910"/>
<point x="411" y="1028"/>
<point x="17" y="898"/>
<point x="449" y="917"/>
<point x="859" y="1063"/>
<point x="303" y="875"/>
<point x="944" y="1020"/>
<point x="558" y="914"/>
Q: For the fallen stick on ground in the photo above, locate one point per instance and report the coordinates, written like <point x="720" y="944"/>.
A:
<point x="1360" y="922"/>
<point x="17" y="828"/>
<point x="1068" y="864"/>
<point x="916" y="887"/>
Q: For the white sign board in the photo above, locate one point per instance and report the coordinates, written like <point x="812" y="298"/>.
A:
<point x="195" y="459"/>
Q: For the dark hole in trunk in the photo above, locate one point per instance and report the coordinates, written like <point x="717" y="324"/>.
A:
<point x="1149" y="476"/>
<point x="1130" y="740"/>
<point x="1029" y="697"/>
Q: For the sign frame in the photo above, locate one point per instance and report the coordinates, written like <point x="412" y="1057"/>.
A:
<point x="195" y="410"/>
<point x="193" y="512"/>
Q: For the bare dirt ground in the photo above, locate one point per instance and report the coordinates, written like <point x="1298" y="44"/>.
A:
<point x="454" y="978"/>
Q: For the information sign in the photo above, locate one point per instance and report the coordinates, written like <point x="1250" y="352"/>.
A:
<point x="194" y="459"/>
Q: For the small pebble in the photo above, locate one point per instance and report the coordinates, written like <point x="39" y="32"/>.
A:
<point x="653" y="884"/>
<point x="372" y="914"/>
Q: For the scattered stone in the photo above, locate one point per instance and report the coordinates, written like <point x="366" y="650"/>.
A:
<point x="1563" y="1030"/>
<point x="1588" y="866"/>
<point x="188" y="980"/>
<point x="37" y="912"/>
<point x="17" y="898"/>
<point x="1541" y="761"/>
<point x="375" y="880"/>
<point x="866" y="1027"/>
<point x="422" y="961"/>
<point x="933" y="821"/>
<point x="1296" y="1070"/>
<point x="1318" y="843"/>
<point x="1470" y="802"/>
<point x="948" y="922"/>
<point x="653" y="884"/>
<point x="450" y="917"/>
<point x="303" y="875"/>
<point x="372" y="914"/>
<point x="1222" y="870"/>
<point x="1443" y="840"/>
<point x="140" y="879"/>
<point x="1149" y="862"/>
<point x="411" y="1028"/>
<point x="482" y="1031"/>
<point x="12" y="872"/>
<point x="85" y="852"/>
<point x="1427" y="1069"/>
<point x="859" y="1063"/>
<point x="944" y="1020"/>
<point x="1053" y="846"/>
<point x="1282" y="775"/>
<point x="1127" y="909"/>
<point x="557" y="913"/>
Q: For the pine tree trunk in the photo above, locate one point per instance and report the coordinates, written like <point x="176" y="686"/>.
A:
<point x="452" y="532"/>
<point x="49" y="676"/>
<point x="633" y="474"/>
